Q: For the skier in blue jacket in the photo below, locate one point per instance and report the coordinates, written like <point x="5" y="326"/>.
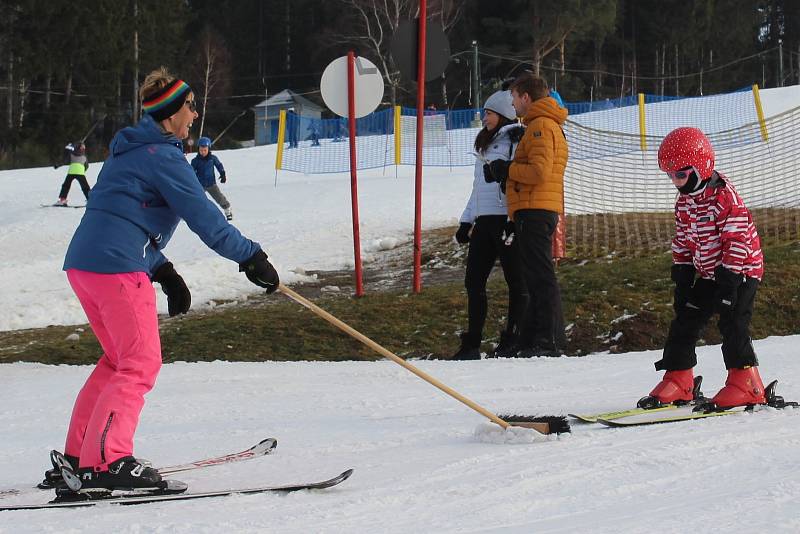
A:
<point x="203" y="165"/>
<point x="143" y="191"/>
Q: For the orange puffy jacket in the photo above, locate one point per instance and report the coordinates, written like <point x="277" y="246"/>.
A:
<point x="536" y="177"/>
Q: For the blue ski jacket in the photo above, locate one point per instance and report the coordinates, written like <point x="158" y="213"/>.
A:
<point x="204" y="169"/>
<point x="145" y="188"/>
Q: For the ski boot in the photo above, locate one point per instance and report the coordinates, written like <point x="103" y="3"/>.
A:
<point x="61" y="202"/>
<point x="676" y="387"/>
<point x="743" y="387"/>
<point x="125" y="474"/>
<point x="470" y="348"/>
<point x="52" y="477"/>
<point x="507" y="347"/>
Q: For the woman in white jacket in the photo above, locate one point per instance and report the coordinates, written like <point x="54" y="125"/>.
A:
<point x="485" y="226"/>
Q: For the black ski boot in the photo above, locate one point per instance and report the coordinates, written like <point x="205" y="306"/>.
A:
<point x="470" y="348"/>
<point x="127" y="473"/>
<point x="52" y="477"/>
<point x="507" y="347"/>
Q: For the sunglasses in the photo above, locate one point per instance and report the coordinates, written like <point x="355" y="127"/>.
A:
<point x="681" y="174"/>
<point x="192" y="105"/>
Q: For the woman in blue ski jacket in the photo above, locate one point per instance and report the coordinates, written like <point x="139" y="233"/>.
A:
<point x="145" y="188"/>
<point x="485" y="226"/>
<point x="204" y="164"/>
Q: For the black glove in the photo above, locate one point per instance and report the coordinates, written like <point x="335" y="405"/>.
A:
<point x="260" y="271"/>
<point x="462" y="234"/>
<point x="727" y="289"/>
<point x="178" y="297"/>
<point x="515" y="134"/>
<point x="508" y="233"/>
<point x="222" y="178"/>
<point x="497" y="171"/>
<point x="683" y="276"/>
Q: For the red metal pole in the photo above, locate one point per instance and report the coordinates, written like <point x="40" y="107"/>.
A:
<point x="423" y="13"/>
<point x="351" y="121"/>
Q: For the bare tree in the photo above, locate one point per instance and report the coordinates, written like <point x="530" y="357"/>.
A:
<point x="370" y="24"/>
<point x="211" y="69"/>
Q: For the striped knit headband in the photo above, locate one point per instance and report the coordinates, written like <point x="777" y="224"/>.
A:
<point x="166" y="102"/>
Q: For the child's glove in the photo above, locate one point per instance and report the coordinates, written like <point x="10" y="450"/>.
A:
<point x="727" y="289"/>
<point x="222" y="178"/>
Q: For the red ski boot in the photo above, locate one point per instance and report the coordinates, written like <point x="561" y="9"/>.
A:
<point x="743" y="387"/>
<point x="676" y="387"/>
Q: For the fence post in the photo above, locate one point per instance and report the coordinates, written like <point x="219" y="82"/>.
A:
<point x="281" y="137"/>
<point x="642" y="129"/>
<point x="760" y="113"/>
<point x="397" y="136"/>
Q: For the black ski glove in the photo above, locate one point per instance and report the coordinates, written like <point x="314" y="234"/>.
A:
<point x="497" y="171"/>
<point x="178" y="297"/>
<point x="462" y="234"/>
<point x="260" y="271"/>
<point x="222" y="178"/>
<point x="727" y="289"/>
<point x="683" y="276"/>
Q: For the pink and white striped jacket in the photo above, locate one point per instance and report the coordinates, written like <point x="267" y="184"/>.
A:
<point x="714" y="227"/>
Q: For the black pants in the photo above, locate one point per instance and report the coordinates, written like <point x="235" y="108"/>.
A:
<point x="485" y="245"/>
<point x="68" y="183"/>
<point x="692" y="314"/>
<point x="543" y="325"/>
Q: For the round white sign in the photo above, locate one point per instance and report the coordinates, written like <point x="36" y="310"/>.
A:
<point x="368" y="86"/>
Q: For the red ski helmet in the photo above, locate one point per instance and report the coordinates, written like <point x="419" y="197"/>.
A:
<point x="686" y="147"/>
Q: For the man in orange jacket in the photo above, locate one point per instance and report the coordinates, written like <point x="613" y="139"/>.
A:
<point x="534" y="185"/>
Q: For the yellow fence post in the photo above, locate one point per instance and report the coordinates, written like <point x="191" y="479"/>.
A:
<point x="281" y="137"/>
<point x="760" y="112"/>
<point x="642" y="130"/>
<point x="397" y="135"/>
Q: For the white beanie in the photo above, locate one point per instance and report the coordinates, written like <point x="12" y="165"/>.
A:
<point x="500" y="103"/>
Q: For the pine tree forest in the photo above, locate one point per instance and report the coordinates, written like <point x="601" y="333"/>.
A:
<point x="72" y="69"/>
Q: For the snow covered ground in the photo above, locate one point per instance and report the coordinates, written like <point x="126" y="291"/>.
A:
<point x="419" y="467"/>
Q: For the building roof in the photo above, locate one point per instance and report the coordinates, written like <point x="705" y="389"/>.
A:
<point x="289" y="98"/>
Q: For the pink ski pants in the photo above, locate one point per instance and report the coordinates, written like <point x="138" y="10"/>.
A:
<point x="121" y="309"/>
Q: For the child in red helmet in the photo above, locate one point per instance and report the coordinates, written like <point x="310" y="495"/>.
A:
<point x="717" y="266"/>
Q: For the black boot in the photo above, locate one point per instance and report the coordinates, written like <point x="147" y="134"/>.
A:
<point x="470" y="348"/>
<point x="507" y="347"/>
<point x="125" y="473"/>
<point x="541" y="349"/>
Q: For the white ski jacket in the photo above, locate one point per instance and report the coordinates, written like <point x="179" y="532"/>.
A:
<point x="486" y="198"/>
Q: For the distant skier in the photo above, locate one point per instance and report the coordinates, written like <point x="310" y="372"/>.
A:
<point x="717" y="266"/>
<point x="144" y="190"/>
<point x="203" y="164"/>
<point x="75" y="157"/>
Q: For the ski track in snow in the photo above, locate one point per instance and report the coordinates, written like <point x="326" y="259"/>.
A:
<point x="418" y="466"/>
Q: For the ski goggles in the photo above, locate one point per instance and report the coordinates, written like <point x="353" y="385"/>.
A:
<point x="682" y="174"/>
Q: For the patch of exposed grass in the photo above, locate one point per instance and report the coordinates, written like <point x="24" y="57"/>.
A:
<point x="610" y="304"/>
